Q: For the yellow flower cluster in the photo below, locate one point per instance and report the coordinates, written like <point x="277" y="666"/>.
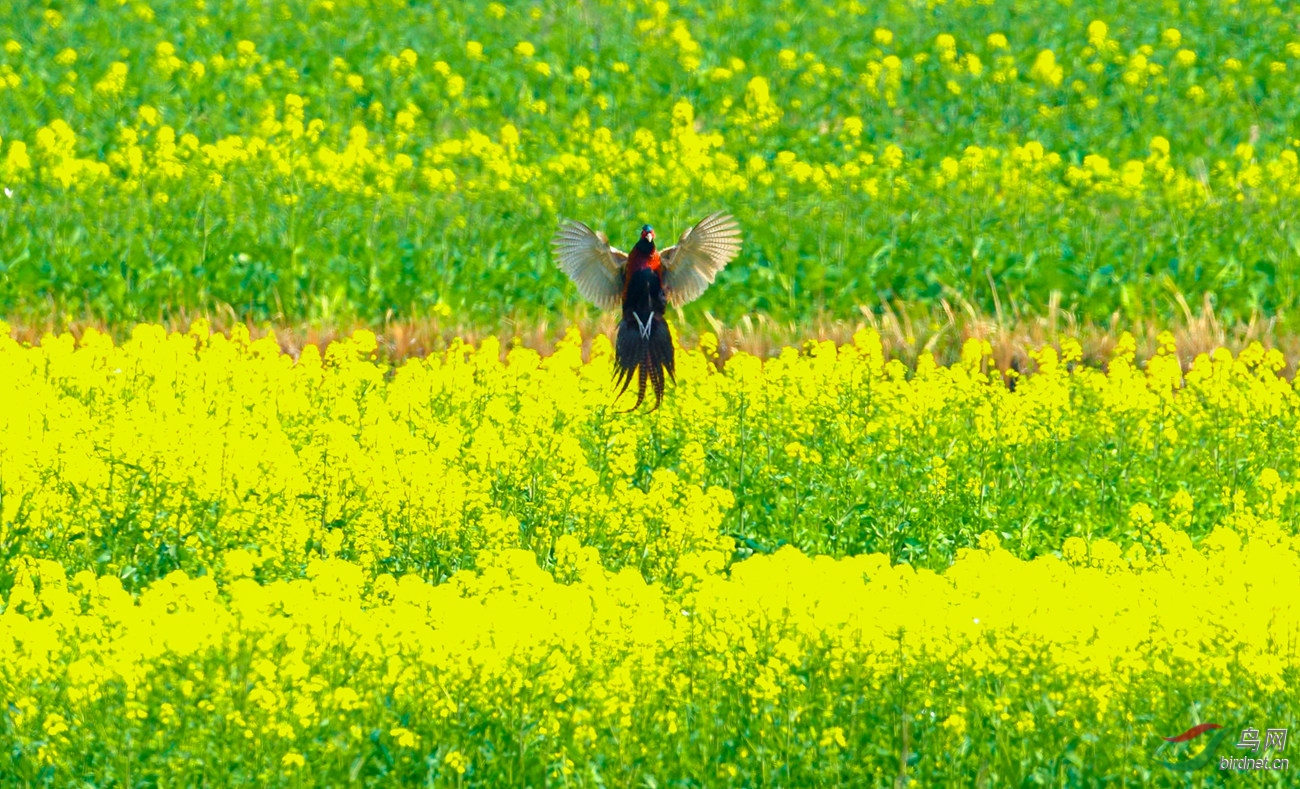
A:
<point x="391" y="149"/>
<point x="271" y="677"/>
<point x="205" y="443"/>
<point x="289" y="149"/>
<point x="384" y="465"/>
<point x="325" y="563"/>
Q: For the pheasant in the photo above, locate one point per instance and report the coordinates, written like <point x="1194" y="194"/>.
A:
<point x="645" y="281"/>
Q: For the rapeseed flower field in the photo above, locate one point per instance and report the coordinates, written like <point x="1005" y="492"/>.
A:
<point x="225" y="564"/>
<point x="335" y="159"/>
<point x="228" y="562"/>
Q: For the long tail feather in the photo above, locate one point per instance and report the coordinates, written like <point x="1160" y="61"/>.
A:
<point x="645" y="357"/>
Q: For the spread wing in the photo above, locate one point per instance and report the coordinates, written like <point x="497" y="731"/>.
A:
<point x="702" y="251"/>
<point x="593" y="265"/>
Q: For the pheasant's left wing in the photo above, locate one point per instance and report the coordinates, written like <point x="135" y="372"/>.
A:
<point x="593" y="265"/>
<point x="692" y="263"/>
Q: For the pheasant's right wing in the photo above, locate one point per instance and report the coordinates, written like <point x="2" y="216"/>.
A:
<point x="691" y="264"/>
<point x="593" y="265"/>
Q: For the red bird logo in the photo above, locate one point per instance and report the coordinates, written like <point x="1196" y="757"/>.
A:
<point x="645" y="281"/>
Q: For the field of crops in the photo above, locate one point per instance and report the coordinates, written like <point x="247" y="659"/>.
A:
<point x="434" y="551"/>
<point x="333" y="159"/>
<point x="818" y="570"/>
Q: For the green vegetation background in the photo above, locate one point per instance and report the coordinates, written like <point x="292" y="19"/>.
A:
<point x="133" y="243"/>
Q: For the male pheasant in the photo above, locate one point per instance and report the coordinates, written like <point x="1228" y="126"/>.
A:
<point x="645" y="281"/>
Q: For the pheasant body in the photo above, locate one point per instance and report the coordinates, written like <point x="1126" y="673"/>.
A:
<point x="644" y="342"/>
<point x="645" y="281"/>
